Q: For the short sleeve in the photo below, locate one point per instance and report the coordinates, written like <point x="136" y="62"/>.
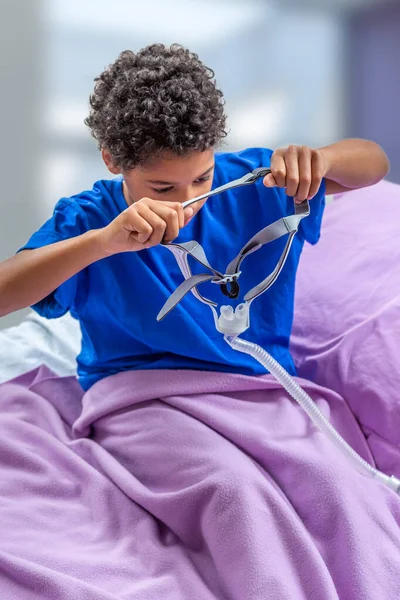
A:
<point x="310" y="227"/>
<point x="68" y="221"/>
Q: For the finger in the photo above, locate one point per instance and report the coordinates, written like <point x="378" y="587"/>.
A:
<point x="188" y="214"/>
<point x="157" y="223"/>
<point x="184" y="214"/>
<point x="292" y="170"/>
<point x="269" y="181"/>
<point x="178" y="208"/>
<point x="171" y="219"/>
<point x="172" y="228"/>
<point x="278" y="169"/>
<point x="175" y="219"/>
<point x="173" y="215"/>
<point x="137" y="225"/>
<point x="317" y="173"/>
<point x="304" y="175"/>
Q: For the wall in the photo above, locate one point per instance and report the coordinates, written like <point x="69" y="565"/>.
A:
<point x="374" y="79"/>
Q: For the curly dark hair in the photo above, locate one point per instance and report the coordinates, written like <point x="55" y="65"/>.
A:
<point x="161" y="98"/>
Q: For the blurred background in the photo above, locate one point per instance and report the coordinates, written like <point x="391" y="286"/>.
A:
<point x="293" y="71"/>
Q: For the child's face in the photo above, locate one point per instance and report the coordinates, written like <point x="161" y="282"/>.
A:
<point x="170" y="177"/>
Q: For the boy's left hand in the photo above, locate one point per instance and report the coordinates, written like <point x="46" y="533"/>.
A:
<point x="299" y="169"/>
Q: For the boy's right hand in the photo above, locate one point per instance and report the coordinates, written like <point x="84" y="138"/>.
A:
<point x="144" y="224"/>
<point x="31" y="275"/>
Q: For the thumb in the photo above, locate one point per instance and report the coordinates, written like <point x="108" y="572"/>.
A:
<point x="269" y="181"/>
<point x="187" y="213"/>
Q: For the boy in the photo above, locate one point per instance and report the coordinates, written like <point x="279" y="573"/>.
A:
<point x="158" y="119"/>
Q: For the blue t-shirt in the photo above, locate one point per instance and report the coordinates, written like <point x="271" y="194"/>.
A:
<point x="117" y="299"/>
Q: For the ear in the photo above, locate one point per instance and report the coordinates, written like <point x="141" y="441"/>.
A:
<point x="109" y="162"/>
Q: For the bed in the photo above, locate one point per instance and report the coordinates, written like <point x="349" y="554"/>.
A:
<point x="177" y="485"/>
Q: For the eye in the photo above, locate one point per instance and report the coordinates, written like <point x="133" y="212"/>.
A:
<point x="202" y="180"/>
<point x="163" y="190"/>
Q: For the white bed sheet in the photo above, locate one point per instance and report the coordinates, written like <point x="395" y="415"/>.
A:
<point x="37" y="341"/>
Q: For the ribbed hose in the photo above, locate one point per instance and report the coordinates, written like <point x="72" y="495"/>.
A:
<point x="298" y="394"/>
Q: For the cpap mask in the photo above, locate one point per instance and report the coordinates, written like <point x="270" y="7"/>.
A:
<point x="232" y="322"/>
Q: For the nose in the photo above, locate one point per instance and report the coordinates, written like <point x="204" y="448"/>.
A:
<point x="184" y="194"/>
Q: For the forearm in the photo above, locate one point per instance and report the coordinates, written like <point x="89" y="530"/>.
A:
<point x="354" y="163"/>
<point x="32" y="275"/>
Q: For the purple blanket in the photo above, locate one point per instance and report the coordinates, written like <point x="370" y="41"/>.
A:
<point x="185" y="485"/>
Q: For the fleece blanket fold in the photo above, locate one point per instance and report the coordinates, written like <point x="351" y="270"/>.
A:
<point x="184" y="485"/>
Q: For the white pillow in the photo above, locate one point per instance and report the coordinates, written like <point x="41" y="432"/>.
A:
<point x="37" y="341"/>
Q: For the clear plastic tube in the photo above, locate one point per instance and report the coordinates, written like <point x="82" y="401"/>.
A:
<point x="312" y="410"/>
